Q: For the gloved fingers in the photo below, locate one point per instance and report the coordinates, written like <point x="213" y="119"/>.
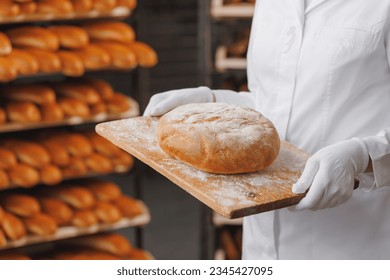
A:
<point x="153" y="102"/>
<point x="166" y="105"/>
<point x="307" y="177"/>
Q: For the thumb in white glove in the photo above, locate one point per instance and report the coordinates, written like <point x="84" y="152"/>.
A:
<point x="329" y="175"/>
<point x="164" y="102"/>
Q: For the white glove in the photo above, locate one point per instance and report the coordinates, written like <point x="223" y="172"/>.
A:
<point x="329" y="175"/>
<point x="164" y="102"/>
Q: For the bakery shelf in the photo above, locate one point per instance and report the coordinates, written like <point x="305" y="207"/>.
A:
<point x="134" y="111"/>
<point x="70" y="231"/>
<point x="219" y="220"/>
<point x="118" y="13"/>
<point x="231" y="11"/>
<point x="224" y="63"/>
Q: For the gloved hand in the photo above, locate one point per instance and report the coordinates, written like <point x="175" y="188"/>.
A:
<point x="329" y="175"/>
<point x="162" y="103"/>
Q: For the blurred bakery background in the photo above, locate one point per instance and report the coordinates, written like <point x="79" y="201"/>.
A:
<point x="67" y="65"/>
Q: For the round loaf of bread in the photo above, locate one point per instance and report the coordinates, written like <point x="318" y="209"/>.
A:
<point x="219" y="138"/>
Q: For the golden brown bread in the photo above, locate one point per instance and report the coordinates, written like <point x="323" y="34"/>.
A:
<point x="58" y="153"/>
<point x="29" y="152"/>
<point x="51" y="112"/>
<point x="94" y="57"/>
<point x="54" y="7"/>
<point x="5" y="44"/>
<point x="103" y="88"/>
<point x="13" y="227"/>
<point x="77" y="90"/>
<point x="77" y="144"/>
<point x="50" y="174"/>
<point x="73" y="107"/>
<point x="25" y="63"/>
<point x="3" y="239"/>
<point x="119" y="103"/>
<point x="97" y="163"/>
<point x="122" y="57"/>
<point x="4" y="180"/>
<point x="40" y="224"/>
<point x="70" y="37"/>
<point x="33" y="37"/>
<point x="23" y="175"/>
<point x="56" y="209"/>
<point x="84" y="218"/>
<point x="37" y="93"/>
<point x="110" y="31"/>
<point x="22" y="112"/>
<point x="138" y="254"/>
<point x="76" y="168"/>
<point x="71" y="63"/>
<point x="106" y="212"/>
<point x="1" y="214"/>
<point x="102" y="145"/>
<point x="224" y="138"/>
<point x="20" y="204"/>
<point x="103" y="190"/>
<point x="122" y="161"/>
<point x="28" y="8"/>
<point x="98" y="108"/>
<point x="146" y="56"/>
<point x="12" y="255"/>
<point x="48" y="61"/>
<point x="75" y="196"/>
<point x="81" y="6"/>
<point x="104" y="5"/>
<point x="8" y="158"/>
<point x="8" y="8"/>
<point x="131" y="4"/>
<point x="8" y="69"/>
<point x="128" y="206"/>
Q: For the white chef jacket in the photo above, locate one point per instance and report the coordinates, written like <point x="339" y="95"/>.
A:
<point x="321" y="74"/>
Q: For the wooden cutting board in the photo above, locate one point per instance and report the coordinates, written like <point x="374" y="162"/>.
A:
<point x="232" y="196"/>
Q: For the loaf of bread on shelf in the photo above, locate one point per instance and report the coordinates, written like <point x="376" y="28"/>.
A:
<point x="98" y="108"/>
<point x="22" y="112"/>
<point x="28" y="8"/>
<point x="102" y="190"/>
<point x="103" y="88"/>
<point x="40" y="224"/>
<point x="146" y="56"/>
<point x="94" y="57"/>
<point x="97" y="163"/>
<point x="29" y="152"/>
<point x="75" y="196"/>
<point x="119" y="103"/>
<point x="84" y="218"/>
<point x="8" y="8"/>
<point x="138" y="254"/>
<point x="5" y="44"/>
<point x="82" y="6"/>
<point x="48" y="61"/>
<point x="4" y="179"/>
<point x="77" y="90"/>
<point x="76" y="168"/>
<point x="128" y="206"/>
<point x="1" y="214"/>
<point x="51" y="112"/>
<point x="73" y="107"/>
<point x="13" y="255"/>
<point x="13" y="227"/>
<point x="102" y="145"/>
<point x="23" y="175"/>
<point x="8" y="69"/>
<point x="58" y="153"/>
<point x="110" y="31"/>
<point x="104" y="5"/>
<point x="33" y="37"/>
<point x="72" y="65"/>
<point x="70" y="36"/>
<point x="24" y="62"/>
<point x="3" y="239"/>
<point x="20" y="204"/>
<point x="107" y="213"/>
<point x="37" y="93"/>
<point x="8" y="158"/>
<point x="58" y="210"/>
<point x="122" y="57"/>
<point x="131" y="4"/>
<point x="77" y="144"/>
<point x="54" y="7"/>
<point x="50" y="174"/>
<point x="122" y="161"/>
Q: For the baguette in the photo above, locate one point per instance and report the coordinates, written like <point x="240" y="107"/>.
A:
<point x="3" y="239"/>
<point x="28" y="8"/>
<point x="4" y="180"/>
<point x="98" y="108"/>
<point x="77" y="144"/>
<point x="54" y="7"/>
<point x="48" y="61"/>
<point x="40" y="224"/>
<point x="75" y="196"/>
<point x="97" y="163"/>
<point x="22" y="112"/>
<point x="39" y="94"/>
<point x="94" y="57"/>
<point x="23" y="175"/>
<point x="131" y="4"/>
<point x="110" y="31"/>
<point x="107" y="213"/>
<point x="29" y="152"/>
<point x="8" y="8"/>
<point x="8" y="70"/>
<point x="33" y="37"/>
<point x="76" y="168"/>
<point x="73" y="107"/>
<point x="77" y="90"/>
<point x="13" y="227"/>
<point x="119" y="103"/>
<point x="84" y="218"/>
<point x="8" y="158"/>
<point x="3" y="116"/>
<point x="103" y="88"/>
<point x="5" y="44"/>
<point x="57" y="210"/>
<point x="20" y="204"/>
<point x="24" y="62"/>
<point x="71" y="63"/>
<point x="82" y="6"/>
<point x="103" y="5"/>
<point x="58" y="153"/>
<point x="146" y="56"/>
<point x="122" y="57"/>
<point x="51" y="112"/>
<point x="122" y="161"/>
<point x="102" y="145"/>
<point x="103" y="190"/>
<point x="128" y="206"/>
<point x="70" y="37"/>
<point x="50" y="174"/>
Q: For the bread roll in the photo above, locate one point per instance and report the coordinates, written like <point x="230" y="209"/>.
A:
<point x="22" y="112"/>
<point x="1" y="214"/>
<point x="13" y="227"/>
<point x="3" y="116"/>
<point x="84" y="218"/>
<point x="71" y="37"/>
<point x="58" y="153"/>
<point x="29" y="152"/>
<point x="51" y="112"/>
<point x="8" y="69"/>
<point x="119" y="103"/>
<point x="110" y="31"/>
<point x="98" y="108"/>
<point x="48" y="62"/>
<point x="103" y="190"/>
<point x="103" y="88"/>
<point x="104" y="5"/>
<point x="102" y="145"/>
<point x="5" y="44"/>
<point x="39" y="94"/>
<point x="72" y="64"/>
<point x="77" y="144"/>
<point x="76" y="168"/>
<point x="23" y="175"/>
<point x="54" y="7"/>
<point x="20" y="204"/>
<point x="75" y="196"/>
<point x="3" y="239"/>
<point x="122" y="161"/>
<point x="138" y="254"/>
<point x="40" y="224"/>
<point x="8" y="158"/>
<point x="224" y="139"/>
<point x="122" y="57"/>
<point x="59" y="211"/>
<point x="97" y="163"/>
<point x="28" y="8"/>
<point x="50" y="174"/>
<point x="146" y="56"/>
<point x="82" y="6"/>
<point x="4" y="180"/>
<point x="77" y="90"/>
<point x="8" y="8"/>
<point x="107" y="213"/>
<point x="94" y="57"/>
<point x="131" y="4"/>
<point x="12" y="255"/>
<point x="33" y="37"/>
<point x="128" y="206"/>
<point x="73" y="107"/>
<point x="25" y="63"/>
